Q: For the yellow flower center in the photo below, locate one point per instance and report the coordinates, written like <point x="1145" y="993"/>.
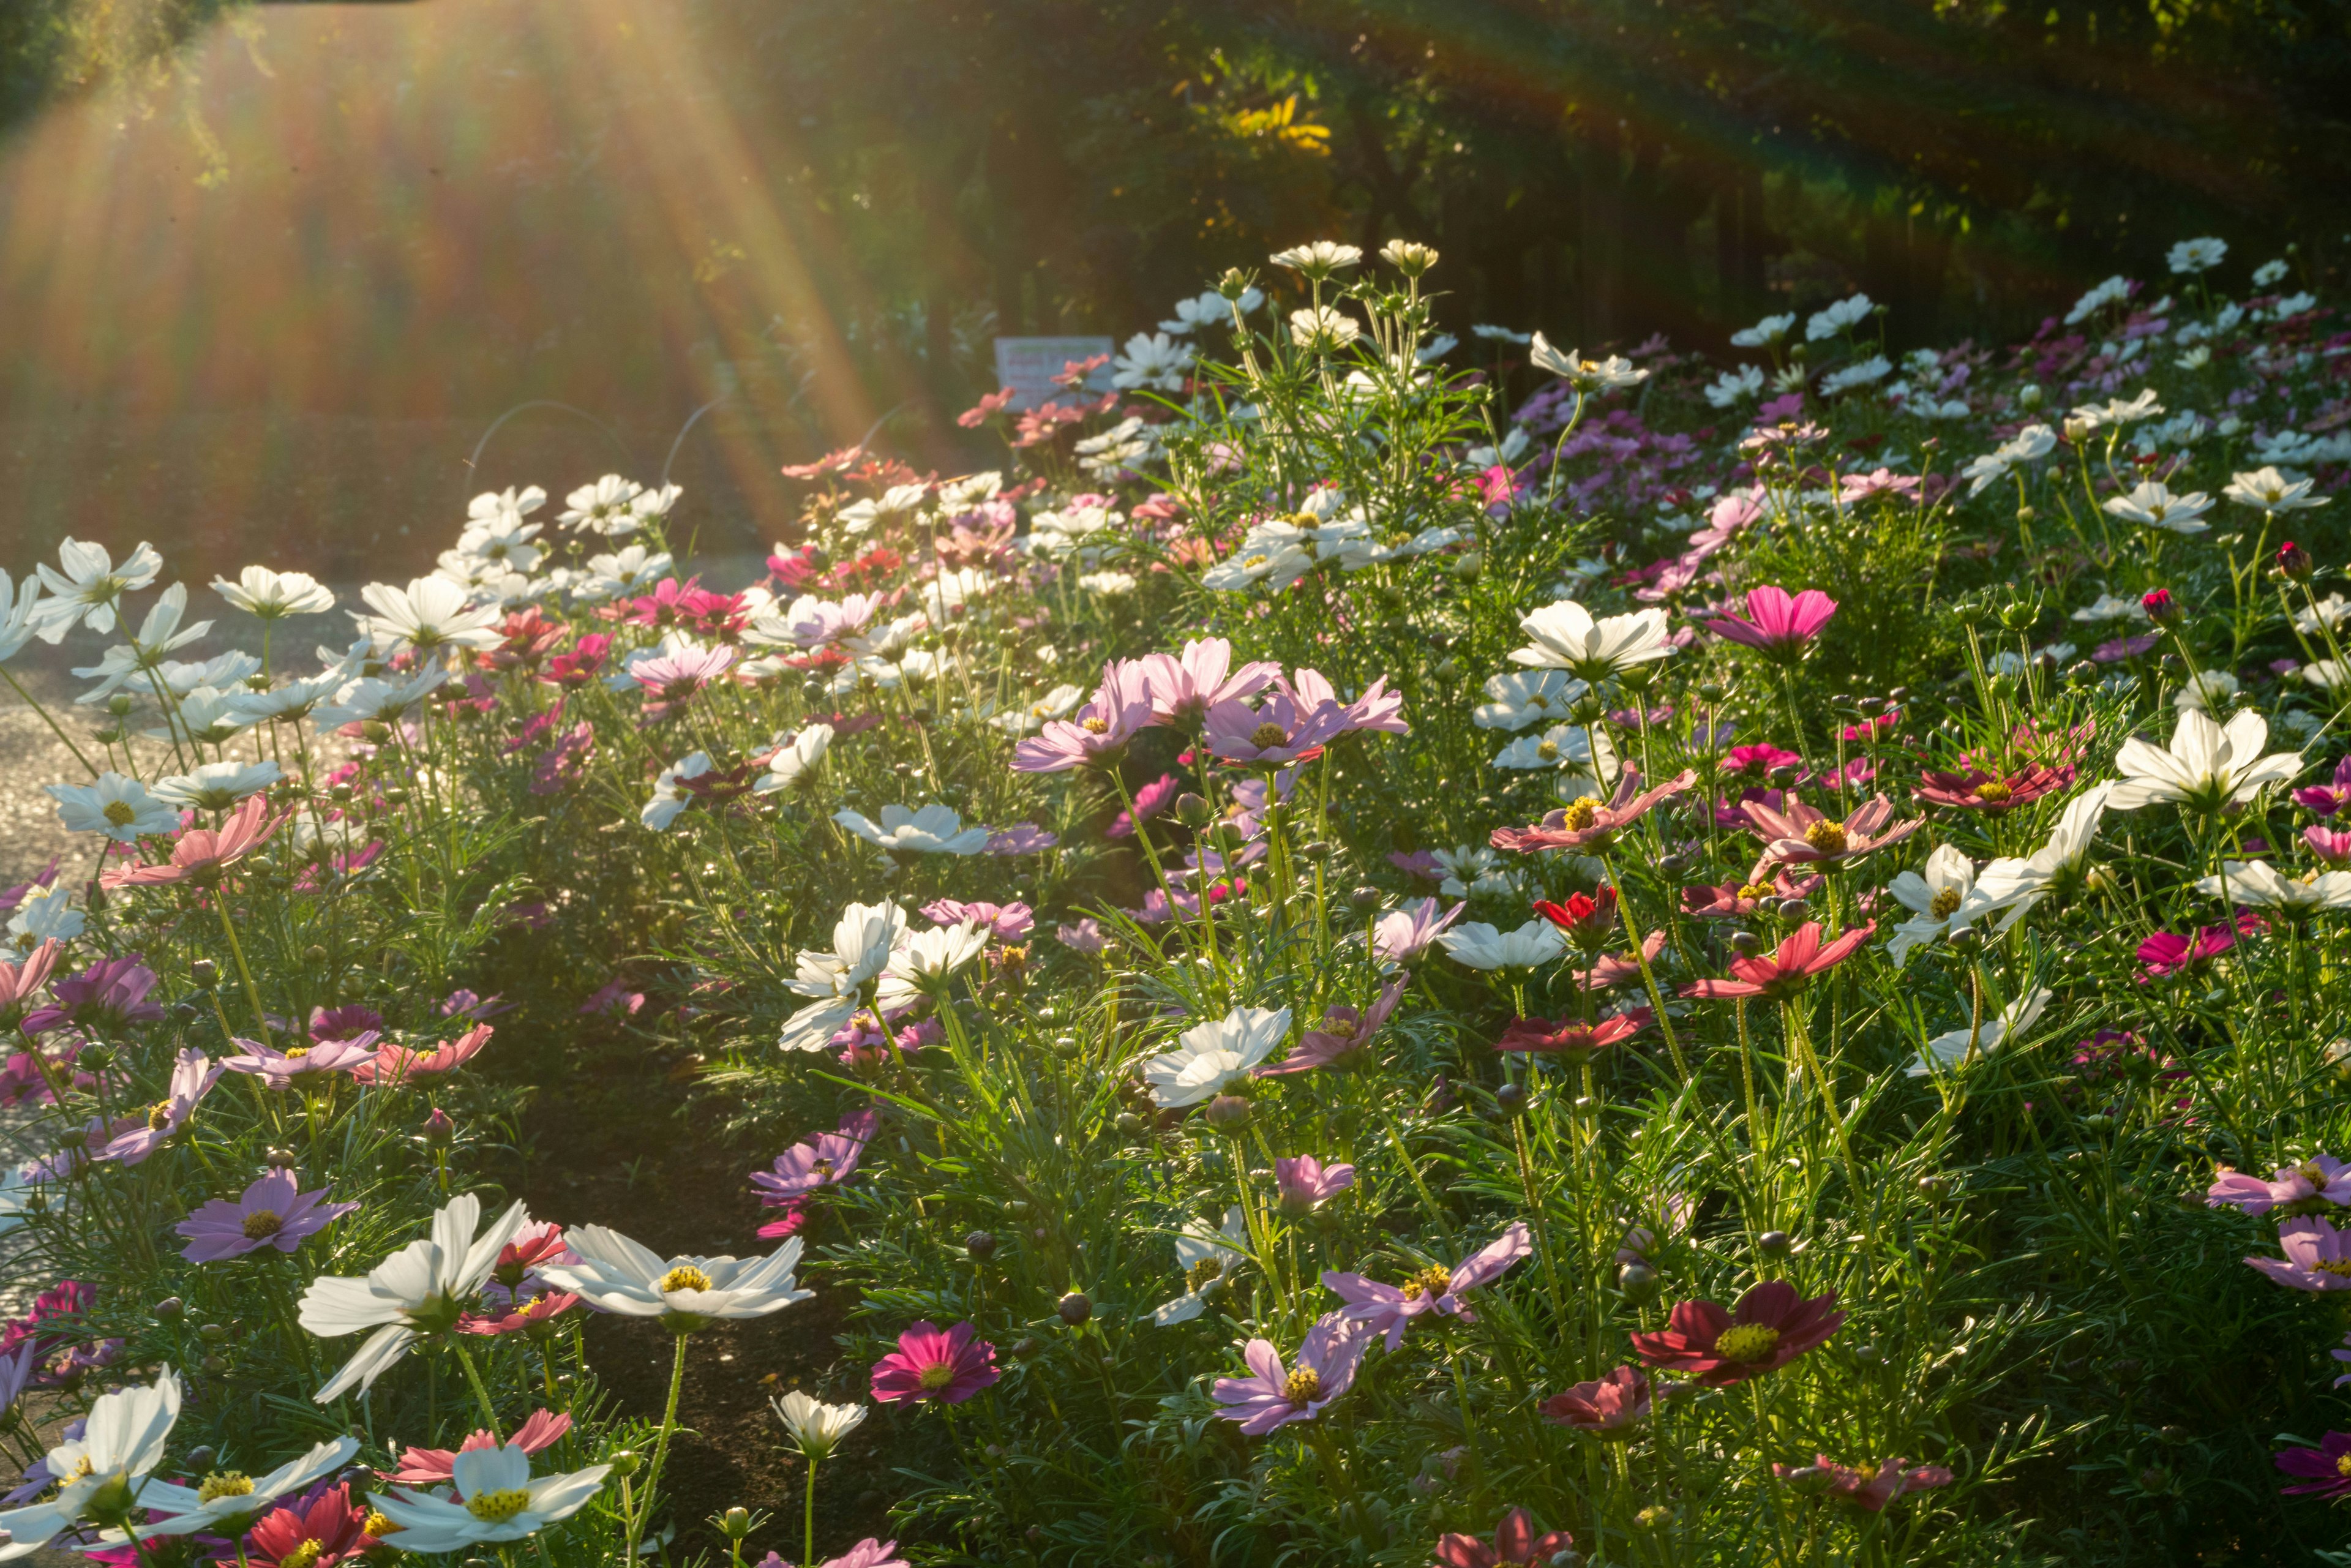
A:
<point x="262" y="1224"/>
<point x="1945" y="903"/>
<point x="937" y="1376"/>
<point x="1302" y="1388"/>
<point x="1540" y="701"/>
<point x="160" y="1117"/>
<point x="685" y="1277"/>
<point x="379" y="1525"/>
<point x="1755" y="890"/>
<point x="225" y="1483"/>
<point x="1206" y="1270"/>
<point x="2343" y="1466"/>
<point x="295" y="1050"/>
<point x="1826" y="837"/>
<point x="1094" y="725"/>
<point x="1253" y="562"/>
<point x="498" y="1507"/>
<point x="1580" y="813"/>
<point x="1746" y="1343"/>
<point x="1993" y="792"/>
<point x="305" y="1555"/>
<point x="2338" y="1266"/>
<point x="1548" y="750"/>
<point x="119" y="813"/>
<point x="82" y="1466"/>
<point x="1269" y="735"/>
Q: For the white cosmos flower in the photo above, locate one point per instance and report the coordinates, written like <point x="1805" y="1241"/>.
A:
<point x="2325" y="674"/>
<point x="1155" y="362"/>
<point x="2012" y="887"/>
<point x="623" y="572"/>
<point x="88" y="587"/>
<point x="227" y="1502"/>
<point x="1561" y="746"/>
<point x="924" y="961"/>
<point x="604" y="508"/>
<point x="1208" y="1056"/>
<point x="1860" y="373"/>
<point x="519" y="501"/>
<point x="1951" y="1049"/>
<point x="1471" y="868"/>
<point x="2271" y="491"/>
<point x="2194" y="256"/>
<point x="816" y="1429"/>
<point x="1318" y="259"/>
<point x="2116" y="411"/>
<point x="2205" y="689"/>
<point x="2207" y="767"/>
<point x="274" y="595"/>
<point x="1478" y="946"/>
<point x="119" y="807"/>
<point x="1206" y="1258"/>
<point x="287" y="700"/>
<point x="863" y="940"/>
<point x="18" y="626"/>
<point x="2330" y="612"/>
<point x="936" y="829"/>
<point x="1846" y="313"/>
<point x="1732" y="388"/>
<point x="670" y="798"/>
<point x="158" y="633"/>
<point x="492" y="1496"/>
<point x="122" y="1440"/>
<point x="618" y="1275"/>
<point x="2153" y="505"/>
<point x="1521" y="697"/>
<point x="421" y="1289"/>
<point x="1058" y="703"/>
<point x="46" y="914"/>
<point x="372" y="697"/>
<point x="206" y="714"/>
<point x="1568" y="637"/>
<point x="430" y="613"/>
<point x="19" y="1184"/>
<point x="1269" y="566"/>
<point x="794" y="759"/>
<point x="2112" y="607"/>
<point x="217" y="786"/>
<point x="1320" y="326"/>
<point x="1764" y="333"/>
<point x="1587" y="376"/>
<point x="1933" y="895"/>
<point x="2259" y="884"/>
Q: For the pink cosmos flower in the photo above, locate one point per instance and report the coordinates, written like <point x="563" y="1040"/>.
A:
<point x="1572" y="1039"/>
<point x="1738" y="900"/>
<point x="1273" y="1396"/>
<point x="1406" y="932"/>
<point x="105" y="999"/>
<point x="581" y="664"/>
<point x="1770" y="1327"/>
<point x="1419" y="863"/>
<point x="824" y="1160"/>
<point x="395" y="1063"/>
<point x="1607" y="971"/>
<point x="1588" y="824"/>
<point x="867" y="1554"/>
<point x="2165" y="954"/>
<point x="431" y="1467"/>
<point x="1973" y="790"/>
<point x="1760" y="759"/>
<point x="1005" y="921"/>
<point x="541" y="1241"/>
<point x="1121" y="708"/>
<point x="1340" y="1041"/>
<point x="1184" y="686"/>
<point x="2327" y="1465"/>
<point x="201" y="856"/>
<point x="1781" y="624"/>
<point x="272" y="1212"/>
<point x="18" y="982"/>
<point x="1306" y="1183"/>
<point x="1783" y="972"/>
<point x="1086" y="935"/>
<point x="929" y="1364"/>
<point x="1884" y="482"/>
<point x="613" y="997"/>
<point x="1020" y="839"/>
<point x="1278" y="731"/>
<point x="1609" y="1405"/>
<point x="2306" y="1188"/>
<point x="1378" y="708"/>
<point x="1384" y="1309"/>
<point x="2331" y="846"/>
<point x="1800" y="834"/>
<point x="1516" y="1544"/>
<point x="133" y="1138"/>
<point x="671" y="680"/>
<point x="2317" y="1257"/>
<point x="1149" y="801"/>
<point x="533" y="1316"/>
<point x="2326" y="800"/>
<point x="1868" y="1491"/>
<point x="305" y="1066"/>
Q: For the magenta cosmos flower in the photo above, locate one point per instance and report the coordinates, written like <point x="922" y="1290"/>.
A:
<point x="1609" y="1405"/>
<point x="1572" y="1039"/>
<point x="2327" y="1465"/>
<point x="1099" y="732"/>
<point x="133" y="1138"/>
<point x="1779" y="973"/>
<point x="1738" y="900"/>
<point x="1515" y="1542"/>
<point x="2326" y="800"/>
<point x="1588" y="824"/>
<point x="1770" y="1327"/>
<point x="1973" y="790"/>
<point x="1277" y="732"/>
<point x="1384" y="1309"/>
<point x="1273" y="1396"/>
<point x="1004" y="921"/>
<point x="2317" y="1257"/>
<point x="397" y="1063"/>
<point x="2167" y="953"/>
<point x="1799" y="834"/>
<point x="1780" y="623"/>
<point x="1378" y="708"/>
<point x="1871" y="1490"/>
<point x="1184" y="686"/>
<point x="271" y="1213"/>
<point x="1306" y="1183"/>
<point x="201" y="856"/>
<point x="2304" y="1188"/>
<point x="105" y="999"/>
<point x="827" y="1158"/>
<point x="1344" y="1034"/>
<point x="949" y="1366"/>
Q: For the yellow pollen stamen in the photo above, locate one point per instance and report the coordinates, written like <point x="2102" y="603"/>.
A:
<point x="119" y="813"/>
<point x="1253" y="562"/>
<point x="685" y="1277"/>
<point x="379" y="1525"/>
<point x="1269" y="735"/>
<point x="498" y="1507"/>
<point x="1827" y="837"/>
<point x="1302" y="1388"/>
<point x="2338" y="1266"/>
<point x="1993" y="792"/>
<point x="2343" y="1466"/>
<point x="262" y="1224"/>
<point x="1755" y="890"/>
<point x="224" y="1483"/>
<point x="937" y="1376"/>
<point x="160" y="1117"/>
<point x="1580" y="813"/>
<point x="305" y="1555"/>
<point x="1548" y="750"/>
<point x="1944" y="904"/>
<point x="1206" y="1270"/>
<point x="1094" y="725"/>
<point x="1745" y="1343"/>
<point x="295" y="1050"/>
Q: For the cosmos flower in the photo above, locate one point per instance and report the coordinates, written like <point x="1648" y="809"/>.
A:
<point x="1611" y="1405"/>
<point x="1121" y="708"/>
<point x="396" y="1063"/>
<point x="492" y="1496"/>
<point x="795" y="760"/>
<point x="103" y="999"/>
<point x="2152" y="505"/>
<point x="1182" y="687"/>
<point x="1515" y="1544"/>
<point x="324" y="1532"/>
<point x="2317" y="1256"/>
<point x="305" y="1065"/>
<point x="271" y="1212"/>
<point x="614" y="1274"/>
<point x="1587" y="824"/>
<point x="122" y="1440"/>
<point x="1273" y="1396"/>
<point x="134" y="1138"/>
<point x="1870" y="1491"/>
<point x="1207" y="1258"/>
<point x="2207" y="767"/>
<point x="1972" y="789"/>
<point x="540" y="1431"/>
<point x="1566" y="636"/>
<point x="1960" y="1046"/>
<point x="1478" y="945"/>
<point x="1800" y="834"/>
<point x="2311" y="1185"/>
<point x="1784" y="971"/>
<point x="2326" y="1467"/>
<point x="817" y="1430"/>
<point x="949" y="1366"/>
<point x="269" y="595"/>
<point x="936" y="829"/>
<point x="419" y="1289"/>
<point x="86" y="586"/>
<point x="1345" y="1032"/>
<point x="1768" y="1328"/>
<point x="2263" y="886"/>
<point x="1306" y="1184"/>
<point x="1003" y="923"/>
<point x="1277" y="732"/>
<point x="1406" y="932"/>
<point x="201" y="856"/>
<point x="429" y="615"/>
<point x="1934" y="895"/>
<point x="1210" y="1055"/>
<point x="1778" y="623"/>
<point x="121" y="808"/>
<point x="823" y="1161"/>
<point x="1389" y="1310"/>
<point x="228" y="1500"/>
<point x="1572" y="1040"/>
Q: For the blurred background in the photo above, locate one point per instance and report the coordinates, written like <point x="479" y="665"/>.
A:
<point x="270" y="272"/>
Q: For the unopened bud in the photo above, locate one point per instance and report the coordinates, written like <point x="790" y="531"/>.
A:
<point x="439" y="1131"/>
<point x="981" y="1244"/>
<point x="1074" y="1307"/>
<point x="1639" y="1282"/>
<point x="2295" y="562"/>
<point x="204" y="973"/>
<point x="1192" y="811"/>
<point x="736" y="1522"/>
<point x="2160" y="607"/>
<point x="626" y="1463"/>
<point x="1228" y="1113"/>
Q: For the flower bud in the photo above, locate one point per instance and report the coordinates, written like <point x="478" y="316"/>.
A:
<point x="1228" y="1113"/>
<point x="1233" y="284"/>
<point x="314" y="954"/>
<point x="439" y="1131"/>
<point x="1774" y="1244"/>
<point x="736" y="1522"/>
<point x="1193" y="810"/>
<point x="2295" y="561"/>
<point x="2160" y="607"/>
<point x="204" y="973"/>
<point x="1639" y="1282"/>
<point x="1074" y="1307"/>
<point x="980" y="1245"/>
<point x="625" y="1463"/>
<point x="169" y="1308"/>
<point x="1511" y="1099"/>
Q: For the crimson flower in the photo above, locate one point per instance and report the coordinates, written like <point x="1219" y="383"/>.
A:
<point x="1973" y="790"/>
<point x="2327" y="1465"/>
<point x="583" y="664"/>
<point x="1609" y="1405"/>
<point x="1515" y="1541"/>
<point x="1779" y="973"/>
<point x="1780" y="623"/>
<point x="949" y="1366"/>
<point x="2167" y="953"/>
<point x="320" y="1533"/>
<point x="1770" y="1327"/>
<point x="203" y="855"/>
<point x="1570" y="1039"/>
<point x="1587" y="920"/>
<point x="1588" y="824"/>
<point x="1758" y="760"/>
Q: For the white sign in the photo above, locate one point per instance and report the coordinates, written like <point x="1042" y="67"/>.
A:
<point x="1028" y="365"/>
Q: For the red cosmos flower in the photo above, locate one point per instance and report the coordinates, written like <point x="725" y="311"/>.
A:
<point x="201" y="856"/>
<point x="1609" y="1405"/>
<point x="1515" y="1540"/>
<point x="949" y="1366"/>
<point x="528" y="635"/>
<point x="1588" y="823"/>
<point x="1770" y="1326"/>
<point x="1758" y="760"/>
<point x="1973" y="790"/>
<point x="1586" y="920"/>
<point x="1783" y="972"/>
<point x="2329" y="1466"/>
<point x="327" y="1530"/>
<point x="1567" y="1038"/>
<point x="581" y="664"/>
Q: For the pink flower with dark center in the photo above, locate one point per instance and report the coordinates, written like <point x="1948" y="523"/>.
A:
<point x="1803" y="835"/>
<point x="1184" y="686"/>
<point x="1853" y="487"/>
<point x="1515" y="1544"/>
<point x="1378" y="708"/>
<point x="2166" y="954"/>
<point x="1609" y="1405"/>
<point x="1770" y="1326"/>
<point x="105" y="999"/>
<point x="1587" y="824"/>
<point x="1866" y="1490"/>
<point x="1572" y="1040"/>
<point x="1345" y="1032"/>
<point x="395" y="1063"/>
<point x="431" y="1467"/>
<point x="824" y="1160"/>
<point x="1098" y="734"/>
<point x="1305" y="1183"/>
<point x="133" y="1138"/>
<point x="2317" y="1257"/>
<point x="301" y="1066"/>
<point x="949" y="1366"/>
<point x="1782" y="973"/>
<point x="1273" y="1396"/>
<point x="2326" y="800"/>
<point x="1404" y="933"/>
<point x="1276" y="732"/>
<point x="1739" y="900"/>
<point x="1004" y="921"/>
<point x="344" y="1022"/>
<point x="2331" y="845"/>
<point x="1976" y="791"/>
<point x="1781" y="624"/>
<point x="539" y="1242"/>
<point x="2327" y="1467"/>
<point x="201" y="856"/>
<point x="272" y="1212"/>
<point x="1384" y="1309"/>
<point x="2306" y="1188"/>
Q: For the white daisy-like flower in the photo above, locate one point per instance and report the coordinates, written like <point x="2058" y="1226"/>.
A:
<point x="2271" y="491"/>
<point x="2207" y="766"/>
<point x="371" y="698"/>
<point x="273" y="595"/>
<point x="2153" y="505"/>
<point x="1518" y="698"/>
<point x="217" y="786"/>
<point x="1471" y="868"/>
<point x="1934" y="896"/>
<point x="1258" y="568"/>
<point x="626" y="570"/>
<point x="46" y="914"/>
<point x="1478" y="946"/>
<point x="1322" y="328"/>
<point x="431" y="612"/>
<point x="1058" y="703"/>
<point x="2112" y="607"/>
<point x="863" y="940"/>
<point x="119" y="807"/>
<point x="226" y="1502"/>
<point x="1587" y="376"/>
<point x="2011" y="887"/>
<point x="2190" y="256"/>
<point x="492" y="1496"/>
<point x="604" y="507"/>
<point x="615" y="1274"/>
<point x="1318" y="259"/>
<point x="1770" y="331"/>
<point x="1567" y="636"/>
<point x="1155" y="362"/>
<point x="923" y="962"/>
<point x="794" y="759"/>
<point x="110" y="1464"/>
<point x="1951" y="1049"/>
<point x="86" y="586"/>
<point x="160" y="632"/>
<point x="1208" y="1257"/>
<point x="817" y="1430"/>
<point x="2206" y="690"/>
<point x="669" y="796"/>
<point x="421" y="1289"/>
<point x="1844" y="315"/>
<point x="936" y="829"/>
<point x="2262" y="885"/>
<point x="1210" y="1055"/>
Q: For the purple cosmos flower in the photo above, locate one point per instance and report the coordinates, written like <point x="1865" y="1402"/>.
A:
<point x="1344" y="1033"/>
<point x="1278" y="731"/>
<point x="105" y="999"/>
<point x="17" y="1370"/>
<point x="1184" y="686"/>
<point x="1249" y="795"/>
<point x="1780" y="623"/>
<point x="2304" y="1188"/>
<point x="305" y="1065"/>
<point x="2317" y="1257"/>
<point x="1274" y="1396"/>
<point x="2326" y="800"/>
<point x="344" y="1023"/>
<point x="827" y="1158"/>
<point x="1378" y="708"/>
<point x="465" y="1004"/>
<point x="133" y="1138"/>
<point x="1004" y="923"/>
<point x="1085" y="936"/>
<point x="1306" y="1183"/>
<point x="271" y="1213"/>
<point x="1020" y="839"/>
<point x="2327" y="1465"/>
<point x="1390" y="1309"/>
<point x="1121" y="707"/>
<point x="1406" y="932"/>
